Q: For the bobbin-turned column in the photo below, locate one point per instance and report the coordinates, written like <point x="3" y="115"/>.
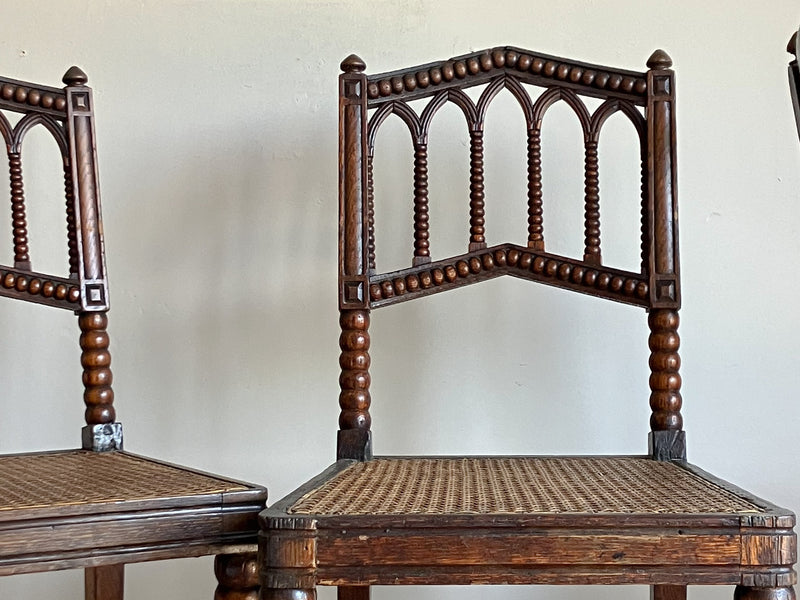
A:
<point x="237" y="576"/>
<point x="354" y="439"/>
<point x="667" y="440"/>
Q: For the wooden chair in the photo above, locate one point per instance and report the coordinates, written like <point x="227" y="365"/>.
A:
<point x="794" y="75"/>
<point x="99" y="507"/>
<point x="653" y="519"/>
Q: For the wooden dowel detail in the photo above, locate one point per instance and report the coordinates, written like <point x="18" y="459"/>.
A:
<point x="22" y="259"/>
<point x="421" y="241"/>
<point x="370" y="214"/>
<point x="535" y="213"/>
<point x="591" y="253"/>
<point x="477" y="212"/>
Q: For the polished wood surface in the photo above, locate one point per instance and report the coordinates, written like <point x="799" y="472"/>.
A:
<point x="105" y="583"/>
<point x="98" y="507"/>
<point x="470" y="520"/>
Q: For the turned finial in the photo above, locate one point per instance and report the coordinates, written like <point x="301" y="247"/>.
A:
<point x="659" y="60"/>
<point x="791" y="47"/>
<point x="353" y="64"/>
<point x="75" y="76"/>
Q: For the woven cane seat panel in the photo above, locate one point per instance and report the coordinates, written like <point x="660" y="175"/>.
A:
<point x="518" y="485"/>
<point x="77" y="477"/>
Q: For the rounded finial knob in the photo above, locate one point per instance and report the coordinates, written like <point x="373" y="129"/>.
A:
<point x="353" y="64"/>
<point x="791" y="47"/>
<point x="659" y="60"/>
<point x="75" y="76"/>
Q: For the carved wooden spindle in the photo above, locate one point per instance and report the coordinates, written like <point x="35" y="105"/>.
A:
<point x="96" y="361"/>
<point x="477" y="239"/>
<point x="370" y="213"/>
<point x="422" y="252"/>
<point x="535" y="218"/>
<point x="237" y="576"/>
<point x="665" y="381"/>
<point x="354" y="381"/>
<point x="645" y="235"/>
<point x="22" y="259"/>
<point x="591" y="253"/>
<point x="72" y="234"/>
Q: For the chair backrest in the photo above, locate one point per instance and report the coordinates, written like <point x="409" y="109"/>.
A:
<point x="646" y="98"/>
<point x="793" y="48"/>
<point x="68" y="115"/>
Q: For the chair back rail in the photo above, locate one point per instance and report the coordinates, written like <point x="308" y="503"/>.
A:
<point x="646" y="99"/>
<point x="67" y="114"/>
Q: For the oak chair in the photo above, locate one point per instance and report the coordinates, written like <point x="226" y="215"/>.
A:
<point x="99" y="507"/>
<point x="652" y="519"/>
<point x="794" y="75"/>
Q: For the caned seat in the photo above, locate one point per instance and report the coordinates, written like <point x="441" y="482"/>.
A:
<point x="98" y="507"/>
<point x="653" y="519"/>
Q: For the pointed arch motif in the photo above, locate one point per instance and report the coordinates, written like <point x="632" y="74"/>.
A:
<point x="553" y="95"/>
<point x="610" y="107"/>
<point x="32" y="119"/>
<point x="457" y="97"/>
<point x="6" y="130"/>
<point x="516" y="89"/>
<point x="402" y="110"/>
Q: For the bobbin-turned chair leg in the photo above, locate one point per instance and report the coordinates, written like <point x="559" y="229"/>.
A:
<point x="744" y="592"/>
<point x="237" y="576"/>
<point x="104" y="583"/>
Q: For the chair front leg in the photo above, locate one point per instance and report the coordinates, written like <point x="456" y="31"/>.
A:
<point x="237" y="576"/>
<point x="104" y="583"/>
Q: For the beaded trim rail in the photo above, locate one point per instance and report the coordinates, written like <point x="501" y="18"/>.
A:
<point x="82" y="477"/>
<point x="513" y="60"/>
<point x="518" y="485"/>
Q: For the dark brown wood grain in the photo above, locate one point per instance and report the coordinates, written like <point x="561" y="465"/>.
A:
<point x="104" y="583"/>
<point x="237" y="576"/>
<point x="668" y="592"/>
<point x="353" y="593"/>
<point x="64" y="515"/>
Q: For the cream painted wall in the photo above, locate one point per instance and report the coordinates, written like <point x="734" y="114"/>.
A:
<point x="217" y="143"/>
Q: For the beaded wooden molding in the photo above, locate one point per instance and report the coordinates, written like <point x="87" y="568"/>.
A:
<point x="368" y="100"/>
<point x="526" y="66"/>
<point x="67" y="114"/>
